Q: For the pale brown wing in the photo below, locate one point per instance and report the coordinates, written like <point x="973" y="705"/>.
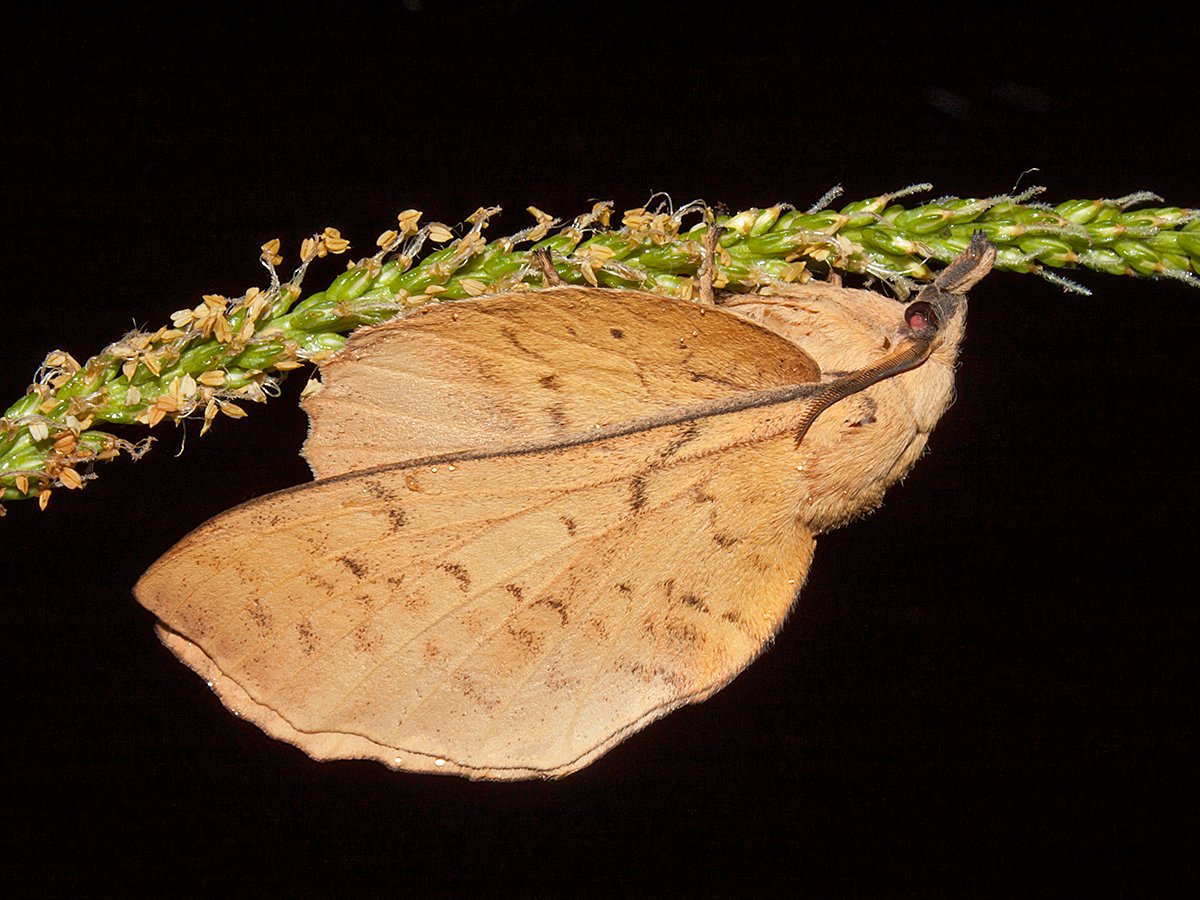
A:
<point x="509" y="616"/>
<point x="532" y="368"/>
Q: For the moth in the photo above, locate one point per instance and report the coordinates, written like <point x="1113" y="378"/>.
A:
<point x="543" y="519"/>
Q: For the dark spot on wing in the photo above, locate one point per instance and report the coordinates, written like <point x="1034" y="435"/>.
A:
<point x="397" y="517"/>
<point x="557" y="681"/>
<point x="460" y="573"/>
<point x="557" y="605"/>
<point x="761" y="562"/>
<point x="624" y="588"/>
<point x="569" y="523"/>
<point x="617" y="333"/>
<point x="530" y="640"/>
<point x="550" y="382"/>
<point x="510" y="335"/>
<point x="516" y="590"/>
<point x="637" y="497"/>
<point x="354" y="565"/>
<point x="695" y="602"/>
<point x="681" y="631"/>
<point x="259" y="615"/>
<point x="364" y="640"/>
<point x="648" y="674"/>
<point x="724" y="541"/>
<point x="734" y="618"/>
<point x="308" y="637"/>
<point x="473" y="691"/>
<point x="379" y="491"/>
<point x="319" y="580"/>
<point x="558" y="416"/>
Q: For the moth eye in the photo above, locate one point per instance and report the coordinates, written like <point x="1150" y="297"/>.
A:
<point x="920" y="316"/>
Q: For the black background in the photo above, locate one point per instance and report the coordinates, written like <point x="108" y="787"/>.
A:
<point x="985" y="690"/>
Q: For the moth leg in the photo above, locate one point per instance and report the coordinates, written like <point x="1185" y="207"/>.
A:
<point x="968" y="268"/>
<point x="708" y="265"/>
<point x="550" y="276"/>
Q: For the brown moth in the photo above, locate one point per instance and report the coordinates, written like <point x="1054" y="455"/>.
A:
<point x="544" y="519"/>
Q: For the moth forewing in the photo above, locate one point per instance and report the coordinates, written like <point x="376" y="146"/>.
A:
<point x="532" y="368"/>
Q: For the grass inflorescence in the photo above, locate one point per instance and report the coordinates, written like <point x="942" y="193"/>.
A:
<point x="225" y="351"/>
